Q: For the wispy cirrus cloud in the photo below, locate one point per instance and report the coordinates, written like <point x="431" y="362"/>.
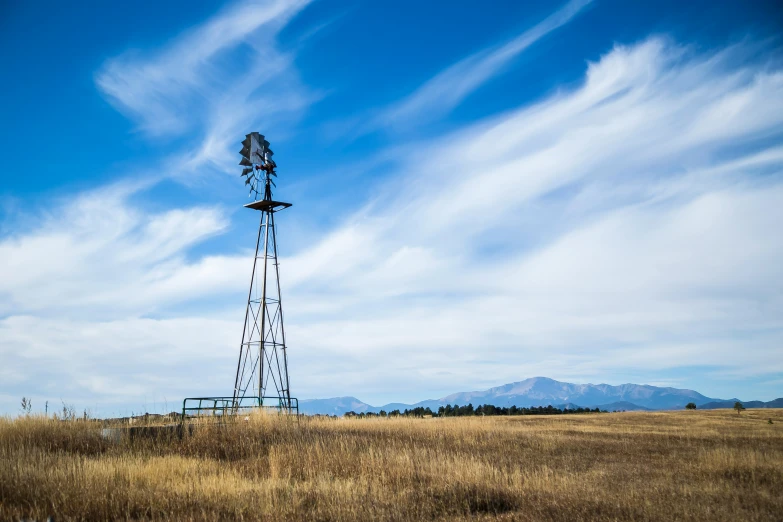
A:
<point x="99" y="303"/>
<point x="158" y="89"/>
<point x="211" y="84"/>
<point x="601" y="226"/>
<point x="444" y="91"/>
<point x="439" y="95"/>
<point x="99" y="255"/>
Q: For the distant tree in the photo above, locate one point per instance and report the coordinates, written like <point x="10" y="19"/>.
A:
<point x="739" y="407"/>
<point x="690" y="406"/>
<point x="382" y="413"/>
<point x="27" y="405"/>
<point x="418" y="412"/>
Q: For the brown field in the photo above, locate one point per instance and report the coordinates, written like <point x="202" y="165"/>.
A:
<point x="701" y="465"/>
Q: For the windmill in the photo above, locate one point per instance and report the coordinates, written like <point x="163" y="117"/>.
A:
<point x="262" y="368"/>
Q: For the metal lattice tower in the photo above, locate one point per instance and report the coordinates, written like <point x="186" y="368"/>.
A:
<point x="262" y="369"/>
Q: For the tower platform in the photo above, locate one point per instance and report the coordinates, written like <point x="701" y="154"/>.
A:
<point x="267" y="204"/>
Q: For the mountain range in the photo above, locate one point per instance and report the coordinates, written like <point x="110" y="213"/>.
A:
<point x="542" y="391"/>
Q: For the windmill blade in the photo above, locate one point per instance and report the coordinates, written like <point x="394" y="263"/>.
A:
<point x="247" y="170"/>
<point x="245" y="152"/>
<point x="249" y="179"/>
<point x="255" y="142"/>
<point x="257" y="147"/>
<point x="246" y="162"/>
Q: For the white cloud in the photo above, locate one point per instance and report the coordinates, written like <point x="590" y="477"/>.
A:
<point x="438" y="96"/>
<point x="628" y="227"/>
<point x="114" y="366"/>
<point x="444" y="91"/>
<point x="159" y="90"/>
<point x="214" y="82"/>
<point x="99" y="255"/>
<point x="605" y="221"/>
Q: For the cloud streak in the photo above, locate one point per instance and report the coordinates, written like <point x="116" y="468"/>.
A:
<point x="439" y="95"/>
<point x="446" y="90"/>
<point x="101" y="257"/>
<point x="159" y="90"/>
<point x="598" y="226"/>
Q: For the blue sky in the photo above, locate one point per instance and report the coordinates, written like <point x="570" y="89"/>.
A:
<point x="589" y="191"/>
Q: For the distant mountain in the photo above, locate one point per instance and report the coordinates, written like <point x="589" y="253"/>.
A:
<point x="542" y="391"/>
<point x="335" y="406"/>
<point x="776" y="403"/>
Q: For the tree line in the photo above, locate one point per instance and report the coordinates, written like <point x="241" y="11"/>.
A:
<point x="470" y="411"/>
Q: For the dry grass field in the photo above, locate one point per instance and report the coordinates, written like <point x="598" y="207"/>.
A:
<point x="699" y="465"/>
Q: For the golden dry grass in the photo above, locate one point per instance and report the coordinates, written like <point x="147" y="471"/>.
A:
<point x="702" y="465"/>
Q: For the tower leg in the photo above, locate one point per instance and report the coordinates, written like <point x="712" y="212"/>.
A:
<point x="261" y="347"/>
<point x="284" y="383"/>
<point x="244" y="348"/>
